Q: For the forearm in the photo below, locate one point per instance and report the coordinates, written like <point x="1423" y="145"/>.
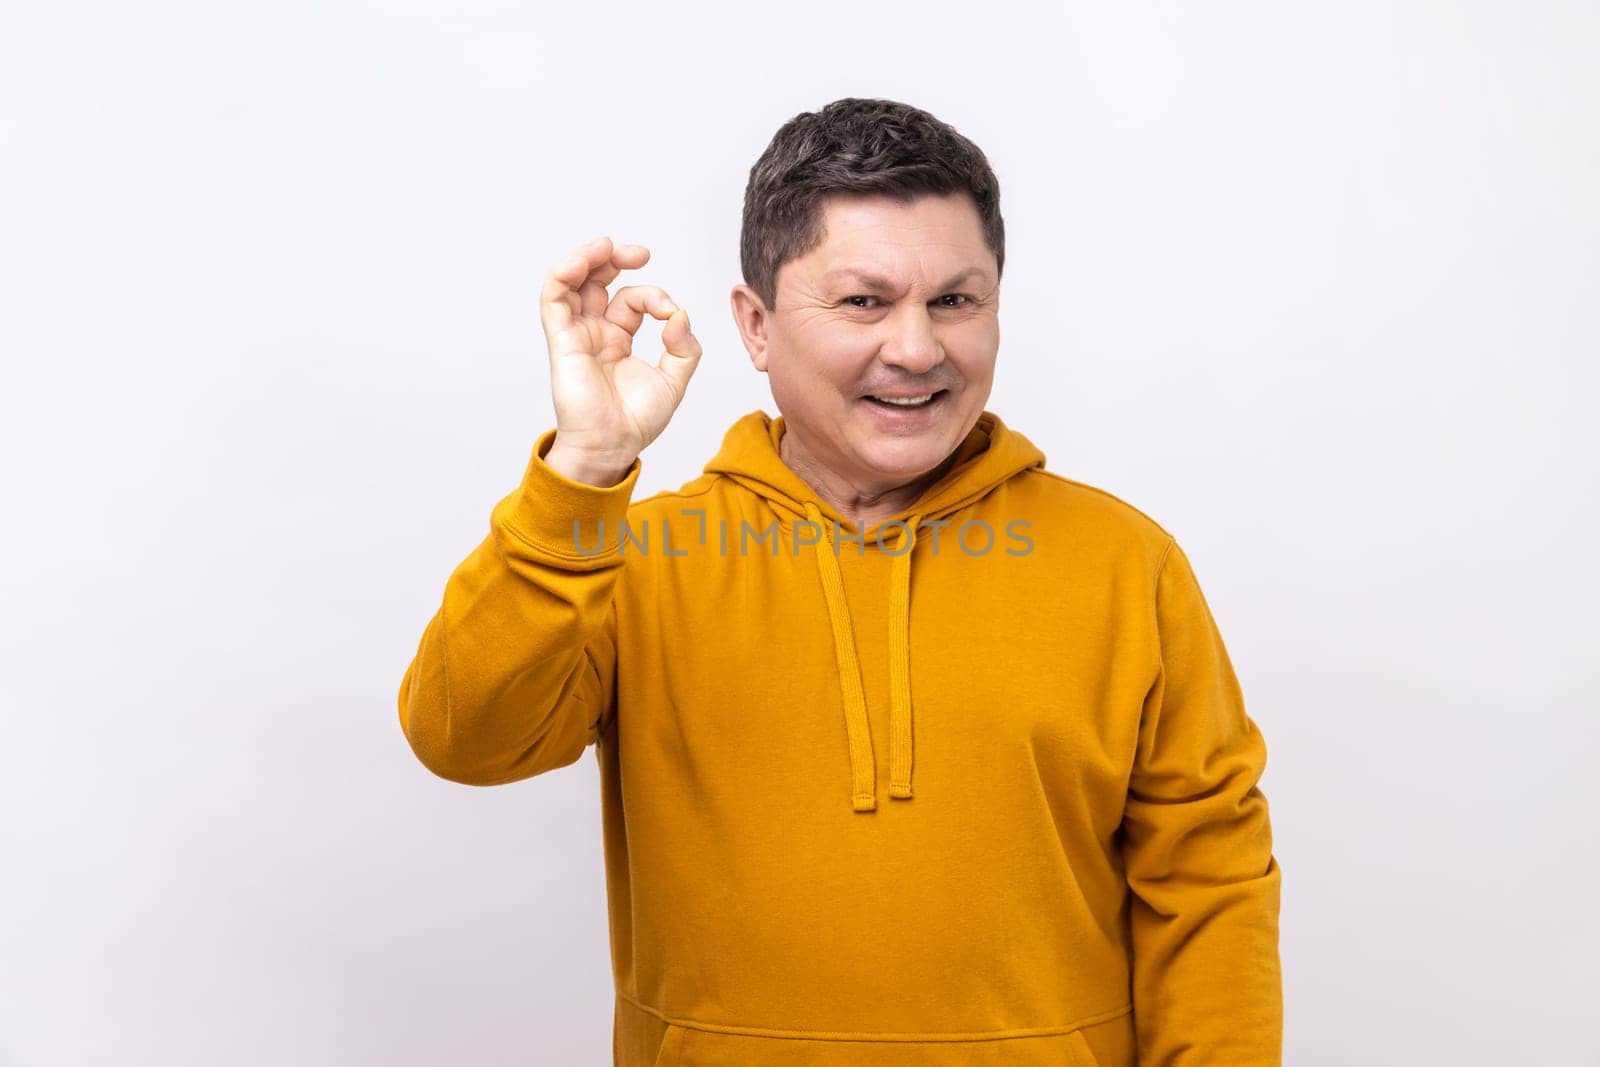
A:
<point x="1207" y="987"/>
<point x="512" y="675"/>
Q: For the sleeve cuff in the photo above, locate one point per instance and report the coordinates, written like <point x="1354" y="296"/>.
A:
<point x="562" y="517"/>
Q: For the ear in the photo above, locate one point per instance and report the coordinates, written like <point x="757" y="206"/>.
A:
<point x="750" y="315"/>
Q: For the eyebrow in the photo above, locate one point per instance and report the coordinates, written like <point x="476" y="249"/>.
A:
<point x="873" y="281"/>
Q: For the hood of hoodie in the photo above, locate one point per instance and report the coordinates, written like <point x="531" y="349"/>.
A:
<point x="990" y="454"/>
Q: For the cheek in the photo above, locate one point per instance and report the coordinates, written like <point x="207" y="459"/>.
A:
<point x="972" y="347"/>
<point x="823" y="353"/>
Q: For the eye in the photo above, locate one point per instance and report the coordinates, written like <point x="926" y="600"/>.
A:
<point x="848" y="298"/>
<point x="955" y="296"/>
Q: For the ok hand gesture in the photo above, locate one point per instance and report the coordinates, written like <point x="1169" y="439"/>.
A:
<point x="609" y="403"/>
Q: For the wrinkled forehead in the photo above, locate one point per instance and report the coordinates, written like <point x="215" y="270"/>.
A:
<point x="873" y="243"/>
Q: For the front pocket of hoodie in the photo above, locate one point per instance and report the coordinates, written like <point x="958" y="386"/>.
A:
<point x="690" y="1047"/>
<point x="671" y="1052"/>
<point x="1082" y="1054"/>
<point x="1110" y="1043"/>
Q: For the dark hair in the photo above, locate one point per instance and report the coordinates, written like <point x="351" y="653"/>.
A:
<point x="854" y="146"/>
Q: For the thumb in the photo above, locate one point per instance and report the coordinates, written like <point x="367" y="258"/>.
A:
<point x="682" y="353"/>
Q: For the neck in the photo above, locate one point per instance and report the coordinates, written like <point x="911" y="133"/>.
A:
<point x="863" y="504"/>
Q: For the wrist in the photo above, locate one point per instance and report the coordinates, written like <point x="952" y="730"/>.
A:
<point x="587" y="468"/>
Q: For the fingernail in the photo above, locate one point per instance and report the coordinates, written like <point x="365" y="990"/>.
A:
<point x="669" y="305"/>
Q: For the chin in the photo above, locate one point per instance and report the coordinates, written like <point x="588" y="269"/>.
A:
<point x="907" y="458"/>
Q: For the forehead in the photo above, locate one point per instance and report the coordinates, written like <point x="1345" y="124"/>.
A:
<point x="932" y="239"/>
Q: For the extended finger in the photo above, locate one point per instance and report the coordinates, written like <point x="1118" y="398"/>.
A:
<point x="560" y="301"/>
<point x="633" y="302"/>
<point x="623" y="257"/>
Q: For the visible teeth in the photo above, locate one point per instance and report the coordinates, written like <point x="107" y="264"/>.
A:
<point x="905" y="402"/>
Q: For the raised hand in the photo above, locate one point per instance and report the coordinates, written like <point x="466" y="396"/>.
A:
<point x="609" y="403"/>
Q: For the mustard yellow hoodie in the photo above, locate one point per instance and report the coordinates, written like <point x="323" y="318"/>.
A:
<point x="974" y="786"/>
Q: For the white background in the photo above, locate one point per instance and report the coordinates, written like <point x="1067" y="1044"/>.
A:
<point x="1315" y="285"/>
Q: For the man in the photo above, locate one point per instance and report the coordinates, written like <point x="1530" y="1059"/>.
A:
<point x="911" y="751"/>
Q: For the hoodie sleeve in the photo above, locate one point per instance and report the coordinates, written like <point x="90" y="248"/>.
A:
<point x="515" y="672"/>
<point x="1198" y="853"/>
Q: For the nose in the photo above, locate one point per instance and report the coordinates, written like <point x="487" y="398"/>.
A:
<point x="911" y="343"/>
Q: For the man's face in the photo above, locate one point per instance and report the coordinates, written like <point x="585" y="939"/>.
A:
<point x="900" y="301"/>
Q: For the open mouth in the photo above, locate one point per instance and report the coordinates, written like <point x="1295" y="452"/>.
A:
<point x="906" y="403"/>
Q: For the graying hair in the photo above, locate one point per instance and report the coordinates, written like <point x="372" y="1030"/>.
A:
<point x="854" y="146"/>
